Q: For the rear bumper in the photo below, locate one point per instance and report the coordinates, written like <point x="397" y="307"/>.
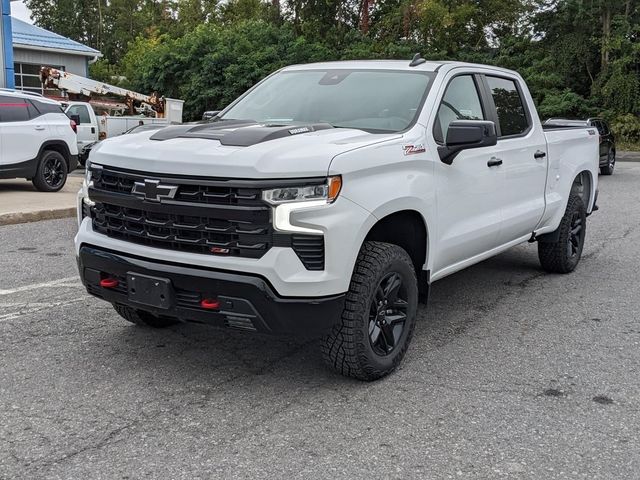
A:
<point x="247" y="302"/>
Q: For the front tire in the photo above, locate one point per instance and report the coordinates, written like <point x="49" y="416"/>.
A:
<point x="51" y="174"/>
<point x="379" y="315"/>
<point x="611" y="163"/>
<point x="142" y="318"/>
<point x="563" y="255"/>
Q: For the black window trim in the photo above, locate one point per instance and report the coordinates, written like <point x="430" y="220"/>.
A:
<point x="483" y="105"/>
<point x="494" y="111"/>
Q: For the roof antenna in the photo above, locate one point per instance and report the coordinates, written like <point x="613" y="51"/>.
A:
<point x="417" y="60"/>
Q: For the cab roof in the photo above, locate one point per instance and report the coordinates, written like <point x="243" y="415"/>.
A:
<point x="427" y="66"/>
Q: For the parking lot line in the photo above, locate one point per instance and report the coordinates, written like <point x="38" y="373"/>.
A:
<point x="61" y="282"/>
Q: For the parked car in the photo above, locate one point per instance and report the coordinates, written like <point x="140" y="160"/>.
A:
<point x="330" y="210"/>
<point x="607" y="140"/>
<point x="37" y="140"/>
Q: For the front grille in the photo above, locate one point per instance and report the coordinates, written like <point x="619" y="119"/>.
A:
<point x="205" y="216"/>
<point x="188" y="233"/>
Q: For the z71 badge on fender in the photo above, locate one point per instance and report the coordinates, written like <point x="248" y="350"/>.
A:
<point x="413" y="149"/>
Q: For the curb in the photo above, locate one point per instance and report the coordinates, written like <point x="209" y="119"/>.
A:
<point x="27" y="217"/>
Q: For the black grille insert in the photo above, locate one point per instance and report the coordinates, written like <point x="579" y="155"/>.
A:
<point x="310" y="250"/>
<point x="206" y="216"/>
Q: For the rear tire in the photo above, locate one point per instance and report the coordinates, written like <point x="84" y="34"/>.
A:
<point x="379" y="315"/>
<point x="563" y="255"/>
<point x="141" y="318"/>
<point x="51" y="174"/>
<point x="611" y="163"/>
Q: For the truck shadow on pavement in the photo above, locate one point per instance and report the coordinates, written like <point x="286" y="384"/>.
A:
<point x="200" y="353"/>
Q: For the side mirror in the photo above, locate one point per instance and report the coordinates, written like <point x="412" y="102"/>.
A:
<point x="75" y="118"/>
<point x="209" y="114"/>
<point x="464" y="134"/>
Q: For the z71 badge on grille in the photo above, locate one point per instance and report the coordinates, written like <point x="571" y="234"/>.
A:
<point x="153" y="191"/>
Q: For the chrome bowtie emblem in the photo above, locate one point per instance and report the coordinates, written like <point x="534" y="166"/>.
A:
<point x="153" y="191"/>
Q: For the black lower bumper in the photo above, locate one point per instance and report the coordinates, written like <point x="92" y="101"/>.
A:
<point x="246" y="302"/>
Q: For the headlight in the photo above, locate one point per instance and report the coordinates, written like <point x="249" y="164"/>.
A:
<point x="86" y="184"/>
<point x="287" y="200"/>
<point x="328" y="192"/>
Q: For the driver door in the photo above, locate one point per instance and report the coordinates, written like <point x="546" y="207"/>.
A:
<point x="469" y="209"/>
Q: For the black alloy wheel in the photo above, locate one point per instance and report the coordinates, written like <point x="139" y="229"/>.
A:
<point x="53" y="172"/>
<point x="388" y="314"/>
<point x="574" y="239"/>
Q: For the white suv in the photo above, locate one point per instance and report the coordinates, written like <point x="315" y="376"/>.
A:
<point x="37" y="140"/>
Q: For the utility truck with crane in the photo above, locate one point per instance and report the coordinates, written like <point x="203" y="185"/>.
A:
<point x="101" y="110"/>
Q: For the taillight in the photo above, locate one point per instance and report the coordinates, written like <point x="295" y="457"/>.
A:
<point x="74" y="127"/>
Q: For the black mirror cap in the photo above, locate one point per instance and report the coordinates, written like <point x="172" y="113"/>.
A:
<point x="465" y="134"/>
<point x="209" y="114"/>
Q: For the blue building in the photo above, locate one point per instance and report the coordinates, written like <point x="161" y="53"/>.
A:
<point x="34" y="47"/>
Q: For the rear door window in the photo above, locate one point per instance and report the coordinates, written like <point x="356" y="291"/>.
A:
<point x="13" y="109"/>
<point x="512" y="115"/>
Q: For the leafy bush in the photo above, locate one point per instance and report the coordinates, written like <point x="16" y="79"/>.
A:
<point x="627" y="128"/>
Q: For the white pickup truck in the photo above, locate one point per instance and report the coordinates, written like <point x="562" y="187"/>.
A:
<point x="325" y="201"/>
<point x="93" y="128"/>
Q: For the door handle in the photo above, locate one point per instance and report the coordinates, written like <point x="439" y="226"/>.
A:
<point x="494" y="162"/>
<point x="539" y="154"/>
<point x="93" y="130"/>
<point x="39" y="127"/>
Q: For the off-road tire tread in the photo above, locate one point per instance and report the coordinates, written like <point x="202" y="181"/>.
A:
<point x="553" y="256"/>
<point x="343" y="347"/>
<point x="142" y="319"/>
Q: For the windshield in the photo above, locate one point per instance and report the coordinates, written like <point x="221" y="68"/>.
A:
<point x="371" y="100"/>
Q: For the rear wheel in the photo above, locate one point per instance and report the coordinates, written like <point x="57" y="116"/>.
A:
<point x="611" y="163"/>
<point x="142" y="318"/>
<point x="379" y="316"/>
<point x="563" y="255"/>
<point x="51" y="174"/>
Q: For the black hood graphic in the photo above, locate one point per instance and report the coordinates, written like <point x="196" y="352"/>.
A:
<point x="237" y="133"/>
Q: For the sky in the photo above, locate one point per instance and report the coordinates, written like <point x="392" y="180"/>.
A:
<point x="19" y="10"/>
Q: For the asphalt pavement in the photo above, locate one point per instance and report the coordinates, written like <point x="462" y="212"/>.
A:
<point x="512" y="373"/>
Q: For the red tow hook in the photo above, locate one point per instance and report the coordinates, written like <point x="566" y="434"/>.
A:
<point x="209" y="304"/>
<point x="109" y="283"/>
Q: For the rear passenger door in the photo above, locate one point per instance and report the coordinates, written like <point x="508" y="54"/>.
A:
<point x="523" y="150"/>
<point x="21" y="130"/>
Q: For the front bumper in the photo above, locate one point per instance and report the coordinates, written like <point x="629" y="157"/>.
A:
<point x="247" y="302"/>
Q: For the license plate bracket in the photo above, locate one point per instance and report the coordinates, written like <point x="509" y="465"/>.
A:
<point x="150" y="291"/>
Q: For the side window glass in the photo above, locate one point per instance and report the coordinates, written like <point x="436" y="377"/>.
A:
<point x="460" y="102"/>
<point x="81" y="111"/>
<point x="45" y="108"/>
<point x="33" y="110"/>
<point x="13" y="109"/>
<point x="601" y="128"/>
<point x="509" y="106"/>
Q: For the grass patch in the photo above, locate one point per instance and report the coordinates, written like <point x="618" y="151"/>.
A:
<point x="628" y="146"/>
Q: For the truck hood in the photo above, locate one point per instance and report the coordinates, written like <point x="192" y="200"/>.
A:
<point x="235" y="149"/>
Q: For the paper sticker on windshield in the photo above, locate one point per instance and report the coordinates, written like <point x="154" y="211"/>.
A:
<point x="413" y="149"/>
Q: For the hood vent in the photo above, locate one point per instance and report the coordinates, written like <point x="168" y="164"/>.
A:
<point x="237" y="133"/>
